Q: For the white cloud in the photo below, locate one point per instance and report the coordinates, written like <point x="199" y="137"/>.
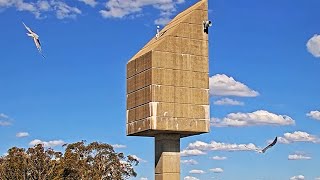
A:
<point x="218" y="146"/>
<point x="22" y="134"/>
<point x="314" y="115"/>
<point x="219" y="158"/>
<point x="298" y="157"/>
<point x="44" y="5"/>
<point x="189" y="162"/>
<point x="119" y="146"/>
<point x="216" y="170"/>
<point x="47" y="143"/>
<point x="313" y="45"/>
<point x="317" y="178"/>
<point x="190" y="178"/>
<point x="4" y="119"/>
<point x="5" y="123"/>
<point x="191" y="152"/>
<point x="196" y="171"/>
<point x="120" y="9"/>
<point x="60" y="8"/>
<point x="228" y="101"/>
<point x="63" y="10"/>
<point x="143" y="178"/>
<point x="91" y="3"/>
<point x="222" y="85"/>
<point x="138" y="158"/>
<point x="299" y="177"/>
<point x="298" y="136"/>
<point x="257" y="118"/>
<point x="113" y="8"/>
<point x="162" y="21"/>
<point x="3" y="116"/>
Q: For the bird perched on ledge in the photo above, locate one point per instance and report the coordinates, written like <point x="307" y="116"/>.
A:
<point x="35" y="38"/>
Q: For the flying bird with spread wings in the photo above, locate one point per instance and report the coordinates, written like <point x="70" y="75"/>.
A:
<point x="35" y="38"/>
<point x="266" y="148"/>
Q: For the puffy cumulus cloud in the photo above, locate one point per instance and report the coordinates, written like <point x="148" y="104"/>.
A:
<point x="216" y="170"/>
<point x="196" y="171"/>
<point x="91" y="3"/>
<point x="60" y="8"/>
<point x="228" y="101"/>
<point x="162" y="21"/>
<point x="4" y="119"/>
<point x="218" y="146"/>
<point x="189" y="162"/>
<point x="299" y="177"/>
<point x="219" y="158"/>
<point x="5" y="123"/>
<point x="298" y="157"/>
<point x="22" y="134"/>
<point x="3" y="116"/>
<point x="223" y="85"/>
<point x="63" y="10"/>
<point x="44" y="5"/>
<point x="191" y="152"/>
<point x="119" y="146"/>
<point x="298" y="136"/>
<point x="190" y="178"/>
<point x="313" y="45"/>
<point x="314" y="115"/>
<point x="257" y="118"/>
<point x="51" y="144"/>
<point x="120" y="9"/>
<point x="138" y="158"/>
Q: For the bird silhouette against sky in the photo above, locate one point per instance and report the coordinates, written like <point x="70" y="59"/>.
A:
<point x="266" y="148"/>
<point x="35" y="38"/>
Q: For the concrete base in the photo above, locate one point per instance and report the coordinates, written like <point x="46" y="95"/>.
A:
<point x="167" y="157"/>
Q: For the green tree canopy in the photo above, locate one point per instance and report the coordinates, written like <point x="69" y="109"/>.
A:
<point x="95" y="161"/>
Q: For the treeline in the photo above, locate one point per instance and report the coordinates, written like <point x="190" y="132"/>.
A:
<point x="95" y="161"/>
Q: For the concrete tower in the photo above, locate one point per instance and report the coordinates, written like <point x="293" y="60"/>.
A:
<point x="168" y="88"/>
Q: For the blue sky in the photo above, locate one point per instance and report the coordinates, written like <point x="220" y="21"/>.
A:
<point x="264" y="70"/>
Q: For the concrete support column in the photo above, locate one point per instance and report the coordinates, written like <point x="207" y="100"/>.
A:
<point x="167" y="157"/>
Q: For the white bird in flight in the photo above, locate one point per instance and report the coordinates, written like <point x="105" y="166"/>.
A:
<point x="266" y="148"/>
<point x="35" y="38"/>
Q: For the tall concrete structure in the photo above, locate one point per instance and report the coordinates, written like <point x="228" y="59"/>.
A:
<point x="168" y="88"/>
